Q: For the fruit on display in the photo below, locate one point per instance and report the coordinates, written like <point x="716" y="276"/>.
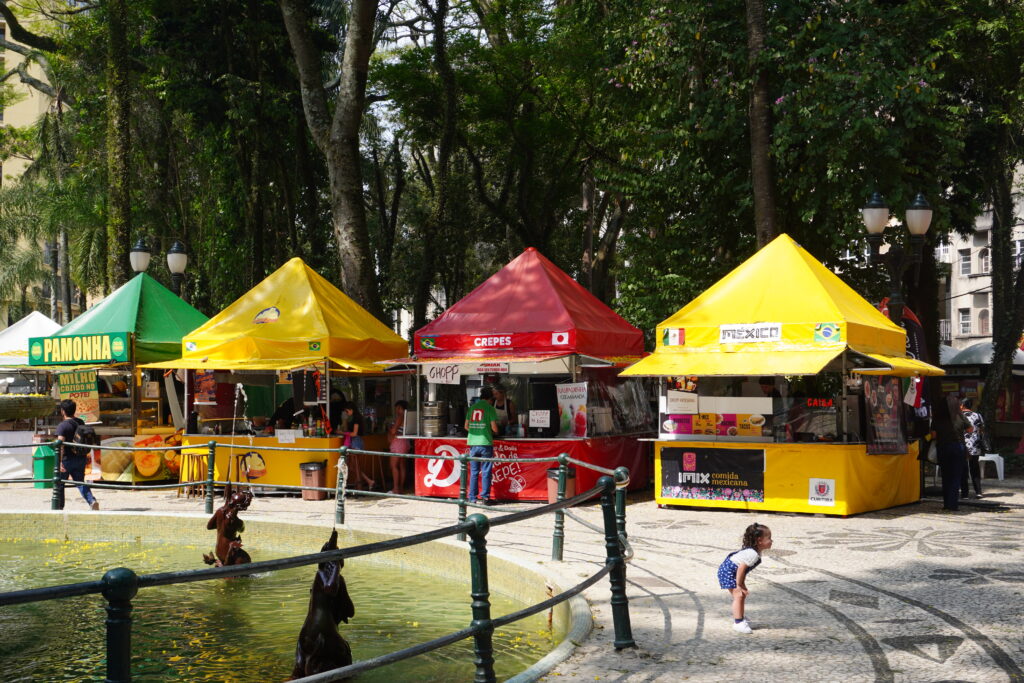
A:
<point x="147" y="463"/>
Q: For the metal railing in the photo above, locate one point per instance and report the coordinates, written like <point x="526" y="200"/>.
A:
<point x="59" y="483"/>
<point x="119" y="586"/>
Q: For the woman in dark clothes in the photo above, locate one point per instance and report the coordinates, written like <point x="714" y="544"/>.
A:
<point x="948" y="430"/>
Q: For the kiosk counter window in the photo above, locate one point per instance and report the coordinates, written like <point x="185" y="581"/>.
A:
<point x="802" y="409"/>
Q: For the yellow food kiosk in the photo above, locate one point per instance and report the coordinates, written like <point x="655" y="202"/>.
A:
<point x="289" y="339"/>
<point x="783" y="389"/>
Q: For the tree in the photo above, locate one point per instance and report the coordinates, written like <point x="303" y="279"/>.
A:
<point x="337" y="134"/>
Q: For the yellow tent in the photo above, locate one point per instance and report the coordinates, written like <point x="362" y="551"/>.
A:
<point x="292" y="319"/>
<point x="780" y="312"/>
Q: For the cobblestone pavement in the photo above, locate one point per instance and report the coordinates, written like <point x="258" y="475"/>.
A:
<point x="907" y="594"/>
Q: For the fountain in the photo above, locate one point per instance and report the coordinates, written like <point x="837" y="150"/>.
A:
<point x="192" y="631"/>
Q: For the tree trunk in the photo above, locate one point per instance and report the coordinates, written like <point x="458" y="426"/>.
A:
<point x="337" y="136"/>
<point x="437" y="224"/>
<point x="51" y="261"/>
<point x="761" y="174"/>
<point x="1007" y="294"/>
<point x="118" y="146"/>
<point x="604" y="259"/>
<point x="65" y="277"/>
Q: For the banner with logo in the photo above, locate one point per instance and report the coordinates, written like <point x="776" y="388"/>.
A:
<point x="79" y="349"/>
<point x="81" y="388"/>
<point x="713" y="474"/>
<point x="883" y="399"/>
<point x="508" y="342"/>
<point x="572" y="409"/>
<point x="520" y="479"/>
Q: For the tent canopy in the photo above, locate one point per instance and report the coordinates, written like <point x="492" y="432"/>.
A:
<point x="142" y="306"/>
<point x="779" y="312"/>
<point x="528" y="308"/>
<point x="14" y="340"/>
<point x="293" y="318"/>
<point x="980" y="354"/>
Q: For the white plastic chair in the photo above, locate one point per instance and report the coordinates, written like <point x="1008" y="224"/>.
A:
<point x="993" y="458"/>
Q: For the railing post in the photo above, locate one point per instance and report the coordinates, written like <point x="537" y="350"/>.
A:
<point x="621" y="484"/>
<point x="463" y="484"/>
<point x="482" y="641"/>
<point x="558" y="537"/>
<point x="57" y="498"/>
<point x="211" y="462"/>
<point x="617" y="576"/>
<point x="339" y="494"/>
<point x="119" y="587"/>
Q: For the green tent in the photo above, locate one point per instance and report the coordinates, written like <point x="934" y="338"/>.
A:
<point x="145" y="308"/>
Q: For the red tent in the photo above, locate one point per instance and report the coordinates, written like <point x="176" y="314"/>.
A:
<point x="529" y="308"/>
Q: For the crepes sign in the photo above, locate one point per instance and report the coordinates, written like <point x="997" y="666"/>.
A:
<point x="748" y="334"/>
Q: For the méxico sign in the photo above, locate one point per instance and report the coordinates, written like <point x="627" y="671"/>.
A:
<point x="79" y="349"/>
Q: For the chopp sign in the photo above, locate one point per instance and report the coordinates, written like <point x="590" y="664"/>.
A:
<point x="444" y="374"/>
<point x="746" y="334"/>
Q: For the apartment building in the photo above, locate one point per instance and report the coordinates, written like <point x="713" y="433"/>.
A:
<point x="23" y="110"/>
<point x="968" y="283"/>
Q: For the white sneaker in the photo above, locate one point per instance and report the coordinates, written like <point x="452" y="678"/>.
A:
<point x="743" y="627"/>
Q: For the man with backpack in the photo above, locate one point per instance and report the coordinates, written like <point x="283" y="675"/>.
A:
<point x="74" y="458"/>
<point x="975" y="443"/>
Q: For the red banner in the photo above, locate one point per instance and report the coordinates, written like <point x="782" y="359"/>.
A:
<point x="518" y="478"/>
<point x="502" y="343"/>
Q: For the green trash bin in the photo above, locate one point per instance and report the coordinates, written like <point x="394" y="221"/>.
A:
<point x="42" y="467"/>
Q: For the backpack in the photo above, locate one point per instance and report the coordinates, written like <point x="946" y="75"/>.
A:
<point x="86" y="436"/>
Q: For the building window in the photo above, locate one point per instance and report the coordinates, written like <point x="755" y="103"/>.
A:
<point x="965" y="261"/>
<point x="945" y="334"/>
<point x="984" y="262"/>
<point x="983" y="327"/>
<point x="942" y="252"/>
<point x="965" y="321"/>
<point x="1018" y="253"/>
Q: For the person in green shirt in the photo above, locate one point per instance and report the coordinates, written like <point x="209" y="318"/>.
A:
<point x="481" y="426"/>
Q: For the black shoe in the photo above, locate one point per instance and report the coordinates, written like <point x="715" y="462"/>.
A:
<point x="489" y="502"/>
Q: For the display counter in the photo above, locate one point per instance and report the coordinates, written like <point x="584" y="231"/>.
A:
<point x="245" y="458"/>
<point x="831" y="479"/>
<point x="521" y="480"/>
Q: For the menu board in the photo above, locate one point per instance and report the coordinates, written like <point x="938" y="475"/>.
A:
<point x="713" y="474"/>
<point x="885" y="430"/>
<point x="205" y="388"/>
<point x="80" y="387"/>
<point x="716" y="424"/>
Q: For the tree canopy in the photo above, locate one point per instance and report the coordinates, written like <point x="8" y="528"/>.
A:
<point x="408" y="149"/>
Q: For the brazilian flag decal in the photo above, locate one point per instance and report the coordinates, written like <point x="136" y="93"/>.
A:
<point x="827" y="332"/>
<point x="314" y="346"/>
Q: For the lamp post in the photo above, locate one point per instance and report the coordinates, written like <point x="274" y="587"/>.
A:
<point x="898" y="258"/>
<point x="177" y="259"/>
<point x="139" y="256"/>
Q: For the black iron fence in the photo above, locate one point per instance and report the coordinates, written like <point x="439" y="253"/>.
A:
<point x="119" y="586"/>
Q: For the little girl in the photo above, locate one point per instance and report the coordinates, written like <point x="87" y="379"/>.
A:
<point x="732" y="573"/>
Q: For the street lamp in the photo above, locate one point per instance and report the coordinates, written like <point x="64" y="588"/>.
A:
<point x="177" y="259"/>
<point x="139" y="256"/>
<point x="897" y="259"/>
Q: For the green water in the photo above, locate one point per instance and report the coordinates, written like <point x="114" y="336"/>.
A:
<point x="235" y="630"/>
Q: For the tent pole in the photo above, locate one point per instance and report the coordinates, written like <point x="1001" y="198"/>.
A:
<point x="842" y="394"/>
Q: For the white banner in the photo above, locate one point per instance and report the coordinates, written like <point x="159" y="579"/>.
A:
<point x="747" y="334"/>
<point x="682" y="403"/>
